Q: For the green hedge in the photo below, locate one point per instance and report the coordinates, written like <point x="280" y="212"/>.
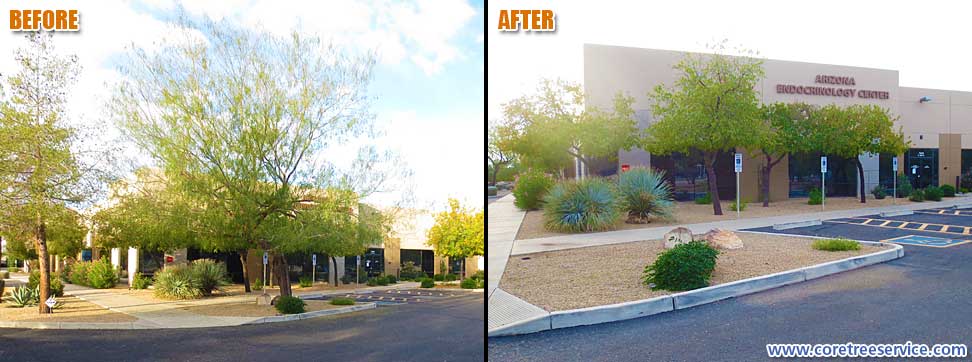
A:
<point x="685" y="267"/>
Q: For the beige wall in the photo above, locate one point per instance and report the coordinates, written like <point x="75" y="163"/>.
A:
<point x="949" y="158"/>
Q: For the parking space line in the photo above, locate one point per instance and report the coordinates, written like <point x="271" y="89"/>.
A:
<point x="944" y="228"/>
<point x="922" y="227"/>
<point x="885" y="223"/>
<point x="903" y="225"/>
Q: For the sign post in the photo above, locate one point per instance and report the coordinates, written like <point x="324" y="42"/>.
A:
<point x="738" y="163"/>
<point x="265" y="276"/>
<point x="823" y="182"/>
<point x="894" y="180"/>
<point x="313" y="268"/>
<point x="357" y="269"/>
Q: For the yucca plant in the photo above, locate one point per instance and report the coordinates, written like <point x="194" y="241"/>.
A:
<point x="646" y="194"/>
<point x="591" y="204"/>
<point x="24" y="296"/>
<point x="209" y="275"/>
<point x="176" y="282"/>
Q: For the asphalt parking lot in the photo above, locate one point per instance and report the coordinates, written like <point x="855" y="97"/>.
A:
<point x="390" y="297"/>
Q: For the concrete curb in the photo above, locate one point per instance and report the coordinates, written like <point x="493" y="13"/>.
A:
<point x="314" y="314"/>
<point x="797" y="224"/>
<point x="684" y="300"/>
<point x="962" y="206"/>
<point x="77" y="325"/>
<point x="897" y="213"/>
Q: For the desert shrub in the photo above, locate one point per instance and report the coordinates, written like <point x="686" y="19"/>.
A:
<point x="704" y="200"/>
<point x="481" y="275"/>
<point x="837" y="244"/>
<point x="438" y="277"/>
<point x="289" y="305"/>
<point x="33" y="280"/>
<point x="917" y="196"/>
<point x="948" y="190"/>
<point x="964" y="190"/>
<point x="391" y="279"/>
<point x="342" y="301"/>
<point x="24" y="296"/>
<point x="685" y="267"/>
<point x="208" y="275"/>
<point x="176" y="282"/>
<point x="590" y="204"/>
<point x="469" y="283"/>
<point x="450" y="277"/>
<point x="933" y="193"/>
<point x="646" y="194"/>
<point x="57" y="287"/>
<point x="742" y="205"/>
<point x="65" y="273"/>
<point x="256" y="284"/>
<point x="140" y="281"/>
<point x="816" y="197"/>
<point x="530" y="189"/>
<point x="305" y="282"/>
<point x="347" y="279"/>
<point x="102" y="275"/>
<point x="79" y="273"/>
<point x="427" y="283"/>
<point x="409" y="271"/>
<point x="374" y="282"/>
<point x="878" y="192"/>
<point x="904" y="186"/>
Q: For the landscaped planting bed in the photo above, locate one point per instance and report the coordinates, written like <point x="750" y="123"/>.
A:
<point x="72" y="310"/>
<point x="532" y="226"/>
<point x="251" y="309"/>
<point x="609" y="274"/>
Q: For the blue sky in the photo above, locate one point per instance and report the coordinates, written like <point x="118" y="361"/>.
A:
<point x="428" y="83"/>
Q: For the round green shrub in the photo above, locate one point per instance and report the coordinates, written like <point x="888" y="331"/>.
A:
<point x="391" y="279"/>
<point x="878" y="192"/>
<point x="373" y="282"/>
<point x="904" y="186"/>
<point x="685" y="267"/>
<point x="948" y="190"/>
<point x="837" y="244"/>
<point x="176" y="282"/>
<point x="469" y="283"/>
<point x="816" y="197"/>
<point x="78" y="275"/>
<point x="704" y="200"/>
<point x="586" y="205"/>
<point x="140" y="281"/>
<point x="438" y="277"/>
<point x="491" y="190"/>
<point x="646" y="194"/>
<point x="428" y="283"/>
<point x="530" y="189"/>
<point x="917" y="196"/>
<point x="742" y="205"/>
<point x="208" y="275"/>
<point x="289" y="305"/>
<point x="450" y="277"/>
<point x="305" y="282"/>
<point x="933" y="193"/>
<point x="102" y="275"/>
<point x="342" y="301"/>
<point x="481" y="275"/>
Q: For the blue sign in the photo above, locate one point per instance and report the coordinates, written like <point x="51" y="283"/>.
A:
<point x="894" y="164"/>
<point x="314" y="258"/>
<point x="738" y="162"/>
<point x="823" y="164"/>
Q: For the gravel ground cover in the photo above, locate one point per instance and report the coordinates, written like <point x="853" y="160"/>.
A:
<point x="691" y="213"/>
<point x="600" y="275"/>
<point x="251" y="309"/>
<point x="73" y="310"/>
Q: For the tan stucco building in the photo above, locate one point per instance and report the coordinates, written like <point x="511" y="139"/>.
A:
<point x="938" y="123"/>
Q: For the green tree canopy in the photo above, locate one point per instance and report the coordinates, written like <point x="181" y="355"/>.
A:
<point x="786" y="130"/>
<point x="457" y="232"/>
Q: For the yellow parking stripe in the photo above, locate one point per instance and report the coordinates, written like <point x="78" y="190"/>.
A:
<point x="902" y="225"/>
<point x="944" y="229"/>
<point x="867" y="221"/>
<point x="885" y="223"/>
<point x="941" y="211"/>
<point x="966" y="232"/>
<point x="922" y="227"/>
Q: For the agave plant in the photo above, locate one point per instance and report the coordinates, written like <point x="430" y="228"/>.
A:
<point x="646" y="194"/>
<point x="24" y="296"/>
<point x="585" y="205"/>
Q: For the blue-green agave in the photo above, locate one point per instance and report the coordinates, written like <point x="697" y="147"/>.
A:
<point x="591" y="204"/>
<point x="646" y="194"/>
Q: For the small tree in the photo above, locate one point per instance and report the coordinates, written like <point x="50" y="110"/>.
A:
<point x="787" y="127"/>
<point x="498" y="157"/>
<point x="854" y="130"/>
<point x="457" y="233"/>
<point x="713" y="107"/>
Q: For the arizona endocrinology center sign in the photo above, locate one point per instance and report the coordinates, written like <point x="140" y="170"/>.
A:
<point x="831" y="91"/>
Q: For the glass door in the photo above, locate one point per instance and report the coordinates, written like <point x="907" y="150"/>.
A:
<point x="921" y="164"/>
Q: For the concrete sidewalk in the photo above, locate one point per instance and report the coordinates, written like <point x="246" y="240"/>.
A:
<point x="503" y="223"/>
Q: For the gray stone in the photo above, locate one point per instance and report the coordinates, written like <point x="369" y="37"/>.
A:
<point x="677" y="236"/>
<point x="264" y="299"/>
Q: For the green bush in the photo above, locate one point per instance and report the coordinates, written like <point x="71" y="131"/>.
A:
<point x="948" y="190"/>
<point x="591" y="204"/>
<point x="964" y="190"/>
<point x="33" y="280"/>
<point x="79" y="273"/>
<point x="427" y="283"/>
<point x="13" y="269"/>
<point x="481" y="275"/>
<point x="209" y="275"/>
<point x="391" y="279"/>
<point x="904" y="186"/>
<point x="256" y="284"/>
<point x="57" y="287"/>
<point x="742" y="205"/>
<point x="438" y="277"/>
<point x="917" y="196"/>
<point x="176" y="282"/>
<point x="140" y="281"/>
<point x="450" y="277"/>
<point x="102" y="275"/>
<point x="410" y="271"/>
<point x="289" y="305"/>
<point x="305" y="282"/>
<point x="838" y="244"/>
<point x="469" y="283"/>
<point x="374" y="282"/>
<point x="685" y="267"/>
<point x="933" y="193"/>
<point x="646" y="194"/>
<point x="530" y="189"/>
<point x="878" y="192"/>
<point x="347" y="279"/>
<point x="65" y="273"/>
<point x="704" y="200"/>
<point x="24" y="296"/>
<point x="342" y="301"/>
<point x="816" y="197"/>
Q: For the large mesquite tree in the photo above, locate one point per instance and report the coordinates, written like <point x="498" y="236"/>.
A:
<point x="787" y="127"/>
<point x="713" y="107"/>
<point x="238" y="122"/>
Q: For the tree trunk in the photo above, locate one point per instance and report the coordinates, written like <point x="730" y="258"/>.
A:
<point x="333" y="274"/>
<point x="246" y="276"/>
<point x="710" y="161"/>
<point x="281" y="269"/>
<point x="767" y="173"/>
<point x="44" y="266"/>
<point x="860" y="175"/>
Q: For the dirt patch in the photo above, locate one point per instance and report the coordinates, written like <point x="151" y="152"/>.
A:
<point x="73" y="310"/>
<point x="691" y="213"/>
<point x="599" y="275"/>
<point x="251" y="309"/>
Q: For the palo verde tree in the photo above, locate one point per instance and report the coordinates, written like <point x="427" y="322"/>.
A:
<point x="787" y="128"/>
<point x="498" y="157"/>
<point x="238" y="122"/>
<point x="713" y="107"/>
<point x="46" y="164"/>
<point x="457" y="233"/>
<point x="854" y="130"/>
<point x="545" y="130"/>
<point x="65" y="233"/>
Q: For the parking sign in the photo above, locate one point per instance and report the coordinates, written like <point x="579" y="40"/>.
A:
<point x="823" y="164"/>
<point x="264" y="258"/>
<point x="894" y="164"/>
<point x="738" y="162"/>
<point x="314" y="258"/>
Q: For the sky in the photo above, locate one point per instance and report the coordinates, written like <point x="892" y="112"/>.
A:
<point x="926" y="41"/>
<point x="427" y="86"/>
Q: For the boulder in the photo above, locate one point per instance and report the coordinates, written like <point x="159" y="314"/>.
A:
<point x="723" y="239"/>
<point x="265" y="299"/>
<point x="677" y="236"/>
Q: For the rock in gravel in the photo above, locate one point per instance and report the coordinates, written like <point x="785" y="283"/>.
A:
<point x="723" y="239"/>
<point x="677" y="236"/>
